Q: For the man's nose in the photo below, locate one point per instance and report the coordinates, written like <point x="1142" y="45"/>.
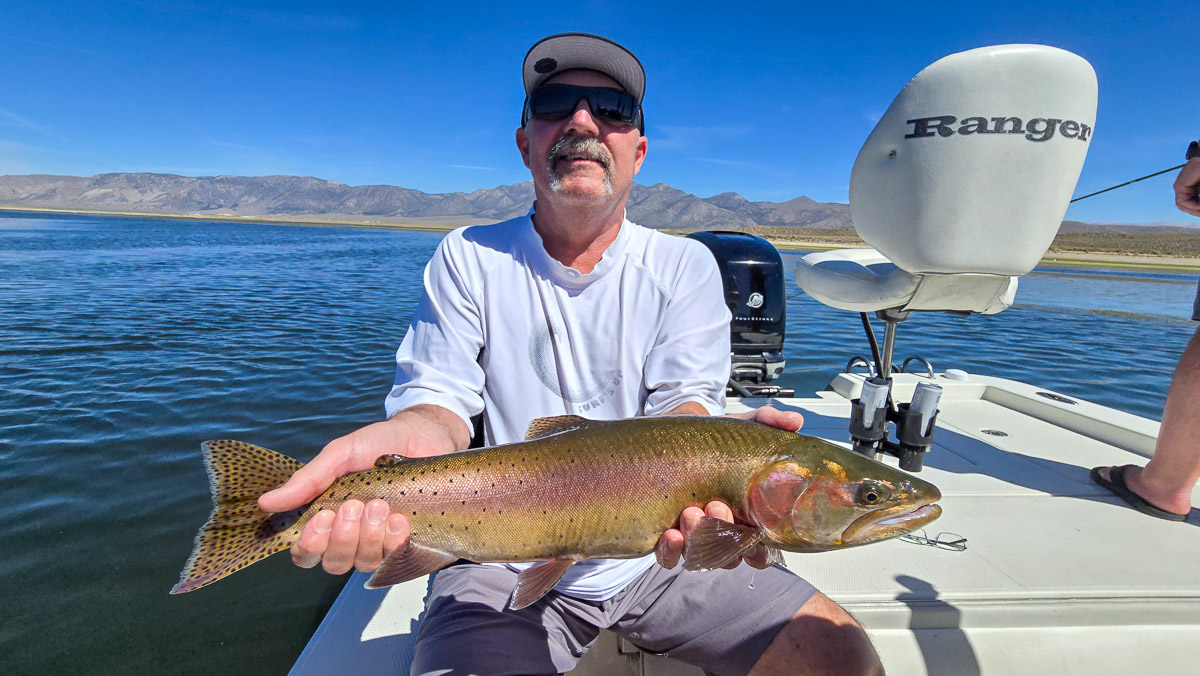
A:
<point x="581" y="121"/>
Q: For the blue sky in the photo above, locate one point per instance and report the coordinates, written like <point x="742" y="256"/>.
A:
<point x="772" y="101"/>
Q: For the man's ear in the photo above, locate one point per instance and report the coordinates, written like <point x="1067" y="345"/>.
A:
<point x="640" y="155"/>
<point x="523" y="145"/>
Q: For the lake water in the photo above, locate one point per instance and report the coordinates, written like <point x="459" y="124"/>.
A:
<point x="124" y="343"/>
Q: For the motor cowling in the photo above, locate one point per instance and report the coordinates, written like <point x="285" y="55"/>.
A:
<point x="753" y="278"/>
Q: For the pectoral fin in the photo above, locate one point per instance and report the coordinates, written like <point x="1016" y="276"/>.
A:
<point x="533" y="583"/>
<point x="714" y="543"/>
<point x="408" y="563"/>
<point x="389" y="460"/>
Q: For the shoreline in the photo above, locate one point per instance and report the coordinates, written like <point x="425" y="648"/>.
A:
<point x="1068" y="258"/>
<point x="307" y="221"/>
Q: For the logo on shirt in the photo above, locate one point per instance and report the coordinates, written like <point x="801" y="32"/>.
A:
<point x="551" y="346"/>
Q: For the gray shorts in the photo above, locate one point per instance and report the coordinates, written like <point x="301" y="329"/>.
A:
<point x="716" y="620"/>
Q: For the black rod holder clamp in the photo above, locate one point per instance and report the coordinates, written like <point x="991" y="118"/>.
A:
<point x="913" y="440"/>
<point x="869" y="417"/>
<point x="915" y="422"/>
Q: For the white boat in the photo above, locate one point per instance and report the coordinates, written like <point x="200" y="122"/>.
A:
<point x="1033" y="568"/>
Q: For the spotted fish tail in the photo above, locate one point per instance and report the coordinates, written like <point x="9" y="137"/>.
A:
<point x="238" y="533"/>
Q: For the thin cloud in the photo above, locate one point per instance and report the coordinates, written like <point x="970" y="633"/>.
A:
<point x="294" y="20"/>
<point x="728" y="163"/>
<point x="65" y="48"/>
<point x="275" y="19"/>
<point x="670" y="137"/>
<point x="10" y="119"/>
<point x="468" y="166"/>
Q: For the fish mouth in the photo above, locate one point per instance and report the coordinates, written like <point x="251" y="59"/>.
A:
<point x="888" y="523"/>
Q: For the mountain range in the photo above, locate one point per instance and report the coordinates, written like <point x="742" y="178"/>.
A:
<point x="657" y="206"/>
<point x="299" y="197"/>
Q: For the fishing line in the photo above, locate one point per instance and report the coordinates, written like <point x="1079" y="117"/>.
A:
<point x="1157" y="173"/>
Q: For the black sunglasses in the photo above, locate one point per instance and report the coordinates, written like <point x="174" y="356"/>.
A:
<point x="556" y="101"/>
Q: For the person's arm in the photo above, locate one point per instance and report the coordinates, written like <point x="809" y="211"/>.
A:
<point x="437" y="390"/>
<point x="1187" y="187"/>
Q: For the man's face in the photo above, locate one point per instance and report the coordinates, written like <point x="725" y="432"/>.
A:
<point x="581" y="157"/>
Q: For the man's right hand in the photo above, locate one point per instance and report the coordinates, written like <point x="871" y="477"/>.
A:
<point x="357" y="535"/>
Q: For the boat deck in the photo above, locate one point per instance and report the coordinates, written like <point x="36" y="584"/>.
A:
<point x="1058" y="575"/>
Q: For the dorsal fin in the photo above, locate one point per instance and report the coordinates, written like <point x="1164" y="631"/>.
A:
<point x="544" y="427"/>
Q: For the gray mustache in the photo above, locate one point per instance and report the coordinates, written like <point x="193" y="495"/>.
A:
<point x="589" y="147"/>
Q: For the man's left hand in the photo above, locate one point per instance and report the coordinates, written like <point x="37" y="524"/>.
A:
<point x="670" y="545"/>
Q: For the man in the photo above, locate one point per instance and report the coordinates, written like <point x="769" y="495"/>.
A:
<point x="572" y="310"/>
<point x="1163" y="488"/>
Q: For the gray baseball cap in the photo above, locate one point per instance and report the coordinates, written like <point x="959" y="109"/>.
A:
<point x="571" y="51"/>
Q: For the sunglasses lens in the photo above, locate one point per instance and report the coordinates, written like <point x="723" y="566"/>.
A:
<point x="549" y="101"/>
<point x="555" y="101"/>
<point x="612" y="106"/>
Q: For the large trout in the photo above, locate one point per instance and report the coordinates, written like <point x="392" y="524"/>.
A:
<point x="578" y="489"/>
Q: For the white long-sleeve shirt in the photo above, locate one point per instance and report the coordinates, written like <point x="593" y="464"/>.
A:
<point x="506" y="330"/>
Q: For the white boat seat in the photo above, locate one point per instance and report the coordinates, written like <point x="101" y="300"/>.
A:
<point x="864" y="280"/>
<point x="963" y="183"/>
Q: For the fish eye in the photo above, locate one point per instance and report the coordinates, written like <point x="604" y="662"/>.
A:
<point x="873" y="493"/>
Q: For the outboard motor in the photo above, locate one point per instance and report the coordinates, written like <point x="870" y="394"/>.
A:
<point x="754" y="291"/>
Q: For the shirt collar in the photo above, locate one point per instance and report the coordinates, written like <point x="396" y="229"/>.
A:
<point x="569" y="276"/>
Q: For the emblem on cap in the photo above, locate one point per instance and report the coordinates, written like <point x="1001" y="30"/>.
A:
<point x="546" y="65"/>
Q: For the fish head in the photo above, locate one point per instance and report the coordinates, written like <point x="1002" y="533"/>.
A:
<point x="818" y="496"/>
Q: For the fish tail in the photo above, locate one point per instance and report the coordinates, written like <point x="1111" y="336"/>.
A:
<point x="238" y="533"/>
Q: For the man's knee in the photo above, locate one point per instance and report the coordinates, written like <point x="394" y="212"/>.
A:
<point x="821" y="638"/>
